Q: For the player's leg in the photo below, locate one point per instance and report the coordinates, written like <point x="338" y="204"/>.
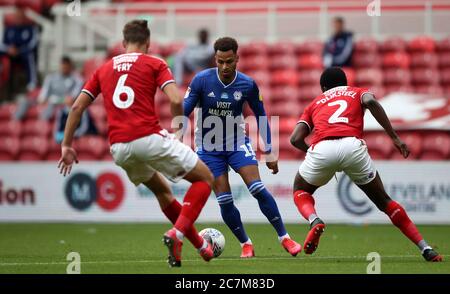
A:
<point x="360" y="168"/>
<point x="248" y="169"/>
<point x="376" y="193"/>
<point x="172" y="209"/>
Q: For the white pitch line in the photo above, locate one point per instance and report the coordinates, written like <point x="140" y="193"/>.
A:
<point x="200" y="260"/>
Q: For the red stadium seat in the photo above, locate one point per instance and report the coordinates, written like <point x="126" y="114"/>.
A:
<point x="378" y="91"/>
<point x="398" y="88"/>
<point x="379" y="145"/>
<point x="421" y="44"/>
<point x="282" y="48"/>
<point x="367" y="45"/>
<point x="90" y="147"/>
<point x="91" y="65"/>
<point x="308" y="93"/>
<point x="445" y="77"/>
<point x="285" y="62"/>
<point x="369" y="77"/>
<point x="436" y="146"/>
<point x="54" y="150"/>
<point x="288" y="109"/>
<point x="424" y="59"/>
<point x="366" y="60"/>
<point x="287" y="125"/>
<point x="284" y="77"/>
<point x="262" y="77"/>
<point x="33" y="148"/>
<point x="7" y="111"/>
<point x="397" y="76"/>
<point x="310" y="77"/>
<point x="444" y="60"/>
<point x="284" y="94"/>
<point x="40" y="128"/>
<point x="443" y="45"/>
<point x="425" y="76"/>
<point x="9" y="148"/>
<point x="310" y="61"/>
<point x="350" y="74"/>
<point x="414" y="142"/>
<point x="394" y="44"/>
<point x="309" y="47"/>
<point x="254" y="62"/>
<point x="11" y="128"/>
<point x="254" y="48"/>
<point x="433" y="90"/>
<point x="171" y="49"/>
<point x="396" y="59"/>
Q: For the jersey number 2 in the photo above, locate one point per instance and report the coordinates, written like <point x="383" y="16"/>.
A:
<point x="336" y="118"/>
<point x="122" y="89"/>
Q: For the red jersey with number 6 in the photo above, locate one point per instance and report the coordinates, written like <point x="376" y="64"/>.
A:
<point x="337" y="112"/>
<point x="128" y="83"/>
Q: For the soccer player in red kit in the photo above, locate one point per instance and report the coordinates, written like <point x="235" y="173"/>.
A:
<point x="139" y="145"/>
<point x="336" y="117"/>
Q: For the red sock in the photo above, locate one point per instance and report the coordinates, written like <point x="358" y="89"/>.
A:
<point x="172" y="212"/>
<point x="193" y="204"/>
<point x="305" y="203"/>
<point x="400" y="219"/>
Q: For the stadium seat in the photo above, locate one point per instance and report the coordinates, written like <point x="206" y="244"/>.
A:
<point x="288" y="109"/>
<point x="433" y="90"/>
<point x="284" y="94"/>
<point x="90" y="147"/>
<point x="444" y="60"/>
<point x="7" y="111"/>
<point x="54" y="150"/>
<point x="436" y="146"/>
<point x="9" y="148"/>
<point x="367" y="45"/>
<point x="91" y="65"/>
<point x="443" y="45"/>
<point x="414" y="142"/>
<point x="421" y="44"/>
<point x="397" y="76"/>
<point x="424" y="60"/>
<point x="425" y="76"/>
<point x="310" y="61"/>
<point x="398" y="88"/>
<point x="396" y="59"/>
<point x="310" y="47"/>
<point x="369" y="77"/>
<point x="284" y="77"/>
<point x="171" y="49"/>
<point x="262" y="77"/>
<point x="283" y="62"/>
<point x="378" y="91"/>
<point x="366" y="60"/>
<point x="445" y="76"/>
<point x="254" y="48"/>
<point x="33" y="148"/>
<point x="11" y="128"/>
<point x="309" y="77"/>
<point x="308" y="93"/>
<point x="40" y="128"/>
<point x="35" y="111"/>
<point x="394" y="44"/>
<point x="254" y="62"/>
<point x="379" y="145"/>
<point x="282" y="48"/>
<point x="287" y="124"/>
<point x="351" y="75"/>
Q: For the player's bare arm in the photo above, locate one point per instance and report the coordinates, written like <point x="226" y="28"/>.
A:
<point x="301" y="131"/>
<point x="176" y="104"/>
<point x="68" y="154"/>
<point x="379" y="114"/>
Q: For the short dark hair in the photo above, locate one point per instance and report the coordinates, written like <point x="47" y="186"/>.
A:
<point x="332" y="77"/>
<point x="339" y="19"/>
<point x="66" y="59"/>
<point x="136" y="31"/>
<point x="225" y="44"/>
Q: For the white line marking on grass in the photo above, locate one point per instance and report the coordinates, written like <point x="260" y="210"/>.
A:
<point x="362" y="258"/>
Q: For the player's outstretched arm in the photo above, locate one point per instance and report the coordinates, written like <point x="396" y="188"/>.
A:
<point x="301" y="131"/>
<point x="68" y="154"/>
<point x="379" y="114"/>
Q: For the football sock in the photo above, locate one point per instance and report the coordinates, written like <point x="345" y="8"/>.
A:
<point x="249" y="241"/>
<point x="400" y="219"/>
<point x="305" y="205"/>
<point x="231" y="216"/>
<point x="172" y="211"/>
<point x="267" y="205"/>
<point x="193" y="203"/>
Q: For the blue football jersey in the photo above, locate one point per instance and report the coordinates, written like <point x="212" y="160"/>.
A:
<point x="219" y="122"/>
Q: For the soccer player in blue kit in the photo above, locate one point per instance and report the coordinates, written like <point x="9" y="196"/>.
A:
<point x="219" y="95"/>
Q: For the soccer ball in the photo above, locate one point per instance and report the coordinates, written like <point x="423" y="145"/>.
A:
<point x="215" y="238"/>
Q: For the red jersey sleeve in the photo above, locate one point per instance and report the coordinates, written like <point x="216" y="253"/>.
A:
<point x="92" y="87"/>
<point x="164" y="75"/>
<point x="306" y="118"/>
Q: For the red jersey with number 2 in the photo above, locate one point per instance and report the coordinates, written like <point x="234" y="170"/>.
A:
<point x="337" y="112"/>
<point x="128" y="83"/>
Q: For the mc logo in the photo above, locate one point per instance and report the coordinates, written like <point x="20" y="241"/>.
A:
<point x="82" y="191"/>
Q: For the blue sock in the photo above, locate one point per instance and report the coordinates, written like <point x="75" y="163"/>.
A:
<point x="268" y="206"/>
<point x="231" y="216"/>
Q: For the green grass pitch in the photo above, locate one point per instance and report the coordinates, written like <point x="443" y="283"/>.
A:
<point x="137" y="248"/>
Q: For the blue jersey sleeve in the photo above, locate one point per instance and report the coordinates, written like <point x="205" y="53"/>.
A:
<point x="192" y="96"/>
<point x="256" y="104"/>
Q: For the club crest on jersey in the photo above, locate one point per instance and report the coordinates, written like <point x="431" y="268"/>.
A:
<point x="224" y="95"/>
<point x="237" y="95"/>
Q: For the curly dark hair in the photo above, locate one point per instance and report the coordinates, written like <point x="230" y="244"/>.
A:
<point x="225" y="44"/>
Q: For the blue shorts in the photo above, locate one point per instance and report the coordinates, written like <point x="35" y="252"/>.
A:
<point x="219" y="162"/>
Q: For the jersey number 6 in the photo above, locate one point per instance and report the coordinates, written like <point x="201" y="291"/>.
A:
<point x="122" y="89"/>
